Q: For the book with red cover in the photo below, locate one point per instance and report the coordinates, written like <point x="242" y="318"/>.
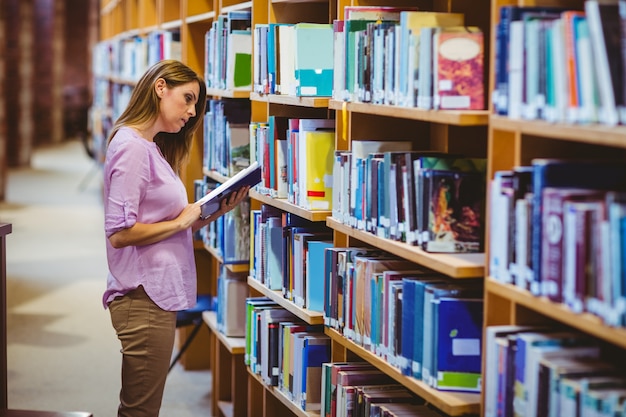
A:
<point x="459" y="68"/>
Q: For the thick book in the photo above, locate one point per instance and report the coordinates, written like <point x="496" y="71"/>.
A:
<point x="211" y="202"/>
<point x="458" y="64"/>
<point x="458" y="344"/>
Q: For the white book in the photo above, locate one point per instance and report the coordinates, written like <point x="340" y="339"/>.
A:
<point x="425" y="69"/>
<point x="238" y="61"/>
<point x="516" y="69"/>
<point x="604" y="50"/>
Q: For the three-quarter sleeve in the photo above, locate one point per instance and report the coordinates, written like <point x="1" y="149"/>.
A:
<point x="128" y="176"/>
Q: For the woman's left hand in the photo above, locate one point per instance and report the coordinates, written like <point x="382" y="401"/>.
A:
<point x="227" y="205"/>
<point x="234" y="199"/>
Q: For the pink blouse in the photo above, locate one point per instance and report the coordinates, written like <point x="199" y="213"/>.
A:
<point x="140" y="186"/>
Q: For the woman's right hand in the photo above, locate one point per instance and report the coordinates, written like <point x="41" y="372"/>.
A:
<point x="189" y="215"/>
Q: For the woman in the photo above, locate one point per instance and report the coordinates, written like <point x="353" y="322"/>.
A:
<point x="149" y="225"/>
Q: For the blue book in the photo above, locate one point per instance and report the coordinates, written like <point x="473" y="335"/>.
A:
<point x="316" y="352"/>
<point x="458" y="332"/>
<point x="405" y="361"/>
<point x="415" y="346"/>
<point x="274" y="254"/>
<point x="426" y="297"/>
<point x="272" y="63"/>
<point x="314" y="294"/>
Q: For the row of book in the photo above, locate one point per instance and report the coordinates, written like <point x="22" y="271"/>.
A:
<point x="561" y="65"/>
<point x="228" y="52"/>
<point x="375" y="54"/>
<point x="226" y="136"/>
<point x="294" y="357"/>
<point x="285" y="352"/>
<point x="409" y="316"/>
<point x="533" y="371"/>
<point x="425" y="198"/>
<point x="406" y="57"/>
<point x="557" y="230"/>
<point x="293" y="59"/>
<point x="296" y="155"/>
<point x="232" y="291"/>
<point x="288" y="255"/>
<point x="358" y="389"/>
<point x="128" y="58"/>
<point x="423" y="323"/>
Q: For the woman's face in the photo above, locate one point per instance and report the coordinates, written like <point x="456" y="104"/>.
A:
<point x="178" y="105"/>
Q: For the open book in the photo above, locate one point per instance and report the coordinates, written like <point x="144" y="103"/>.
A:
<point x="211" y="202"/>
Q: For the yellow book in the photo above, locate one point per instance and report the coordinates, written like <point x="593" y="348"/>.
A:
<point x="320" y="151"/>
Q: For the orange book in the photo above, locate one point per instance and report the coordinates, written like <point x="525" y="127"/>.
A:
<point x="459" y="68"/>
<point x="570" y="19"/>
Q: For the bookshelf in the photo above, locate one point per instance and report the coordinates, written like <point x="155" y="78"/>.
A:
<point x="449" y="131"/>
<point x="505" y="142"/>
<point x="515" y="142"/>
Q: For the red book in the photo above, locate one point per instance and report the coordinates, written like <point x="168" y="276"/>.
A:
<point x="459" y="68"/>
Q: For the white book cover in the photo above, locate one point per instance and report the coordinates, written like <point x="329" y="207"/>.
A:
<point x="238" y="61"/>
<point x="516" y="69"/>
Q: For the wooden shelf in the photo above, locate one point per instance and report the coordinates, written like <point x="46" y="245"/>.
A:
<point x="309" y="316"/>
<point x="596" y="134"/>
<point x="235" y="345"/>
<point x="215" y="176"/>
<point x="318" y="102"/>
<point x="242" y="267"/>
<point x="584" y="322"/>
<point x="245" y="5"/>
<point x="282" y="397"/>
<point x="216" y="92"/>
<point x="450" y="117"/>
<point x="283" y="204"/>
<point x="451" y="403"/>
<point x="204" y="17"/>
<point x="455" y="265"/>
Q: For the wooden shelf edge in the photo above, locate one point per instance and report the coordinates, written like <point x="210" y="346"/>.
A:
<point x="215" y="176"/>
<point x="451" y="117"/>
<point x="596" y="134"/>
<point x="228" y="93"/>
<point x="202" y="17"/>
<point x="455" y="265"/>
<point x="235" y="345"/>
<point x="244" y="5"/>
<point x="283" y="204"/>
<point x="311" y="317"/>
<point x="451" y="403"/>
<point x="318" y="102"/>
<point x="585" y="322"/>
<point x="280" y="396"/>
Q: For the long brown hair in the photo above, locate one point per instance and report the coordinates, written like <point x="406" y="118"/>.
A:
<point x="143" y="107"/>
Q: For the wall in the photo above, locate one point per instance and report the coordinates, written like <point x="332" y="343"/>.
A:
<point x="45" y="72"/>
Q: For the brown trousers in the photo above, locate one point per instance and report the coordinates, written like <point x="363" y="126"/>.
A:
<point x="147" y="335"/>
